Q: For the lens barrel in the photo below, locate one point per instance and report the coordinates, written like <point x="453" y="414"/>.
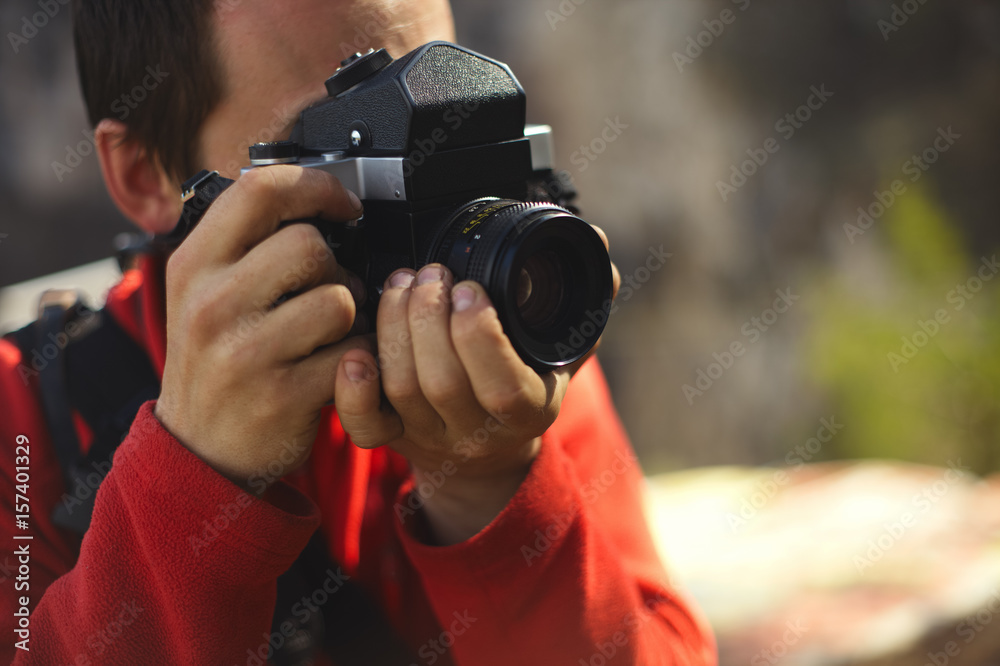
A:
<point x="545" y="269"/>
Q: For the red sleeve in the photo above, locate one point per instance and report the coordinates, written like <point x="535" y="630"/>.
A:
<point x="567" y="573"/>
<point x="177" y="567"/>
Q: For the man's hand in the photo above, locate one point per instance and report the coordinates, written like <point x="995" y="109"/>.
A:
<point x="245" y="379"/>
<point x="460" y="400"/>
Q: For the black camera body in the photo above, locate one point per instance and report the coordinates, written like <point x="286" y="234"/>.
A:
<point x="435" y="145"/>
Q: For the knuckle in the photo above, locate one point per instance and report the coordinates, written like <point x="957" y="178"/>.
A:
<point x="339" y="297"/>
<point x="509" y="400"/>
<point x="331" y="184"/>
<point x="443" y="390"/>
<point x="364" y="428"/>
<point x="201" y="311"/>
<point x="177" y="261"/>
<point x="320" y="250"/>
<point x="336" y="300"/>
<point x="179" y="267"/>
<point x="258" y="183"/>
<point x="485" y="327"/>
<point x="306" y="238"/>
<point x="262" y="190"/>
<point x="359" y="435"/>
<point x="238" y="351"/>
<point x="400" y="389"/>
<point x="303" y="242"/>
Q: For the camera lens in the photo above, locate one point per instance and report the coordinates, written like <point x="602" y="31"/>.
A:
<point x="546" y="271"/>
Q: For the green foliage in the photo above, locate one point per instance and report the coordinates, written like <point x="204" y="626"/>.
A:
<point x="906" y="385"/>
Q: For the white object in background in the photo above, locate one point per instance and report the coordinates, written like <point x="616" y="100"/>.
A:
<point x="19" y="302"/>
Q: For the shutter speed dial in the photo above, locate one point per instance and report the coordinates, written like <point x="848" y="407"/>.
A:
<point x="356" y="69"/>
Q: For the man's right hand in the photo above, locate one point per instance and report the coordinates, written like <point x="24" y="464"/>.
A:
<point x="245" y="379"/>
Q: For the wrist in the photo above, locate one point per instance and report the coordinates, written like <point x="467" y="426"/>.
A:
<point x="222" y="467"/>
<point x="462" y="504"/>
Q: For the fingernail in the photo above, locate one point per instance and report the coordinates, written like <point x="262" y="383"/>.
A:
<point x="356" y="371"/>
<point x="355" y="201"/>
<point x="463" y="298"/>
<point x="401" y="279"/>
<point x="430" y="274"/>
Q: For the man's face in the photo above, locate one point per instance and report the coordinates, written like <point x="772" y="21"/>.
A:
<point x="275" y="57"/>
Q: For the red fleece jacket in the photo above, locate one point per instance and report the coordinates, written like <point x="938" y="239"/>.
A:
<point x="179" y="565"/>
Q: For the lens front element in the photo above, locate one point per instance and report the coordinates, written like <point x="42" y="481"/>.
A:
<point x="542" y="287"/>
<point x="546" y="271"/>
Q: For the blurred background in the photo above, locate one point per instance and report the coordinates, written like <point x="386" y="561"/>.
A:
<point x="820" y="347"/>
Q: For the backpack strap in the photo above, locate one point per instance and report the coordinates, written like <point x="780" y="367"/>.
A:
<point x="70" y="345"/>
<point x="45" y="334"/>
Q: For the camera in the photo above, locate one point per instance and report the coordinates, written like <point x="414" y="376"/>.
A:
<point x="436" y="146"/>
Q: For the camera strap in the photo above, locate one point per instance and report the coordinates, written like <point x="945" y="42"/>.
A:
<point x="87" y="365"/>
<point x="197" y="192"/>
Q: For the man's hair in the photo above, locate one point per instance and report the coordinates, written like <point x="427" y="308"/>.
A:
<point x="121" y="43"/>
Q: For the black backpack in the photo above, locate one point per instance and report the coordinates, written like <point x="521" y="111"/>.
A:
<point x="84" y="361"/>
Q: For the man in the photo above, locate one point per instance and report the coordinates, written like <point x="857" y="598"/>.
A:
<point x="464" y="507"/>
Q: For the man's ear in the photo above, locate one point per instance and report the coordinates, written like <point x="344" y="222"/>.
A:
<point x="138" y="185"/>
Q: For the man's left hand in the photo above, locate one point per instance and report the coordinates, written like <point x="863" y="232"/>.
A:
<point x="460" y="403"/>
